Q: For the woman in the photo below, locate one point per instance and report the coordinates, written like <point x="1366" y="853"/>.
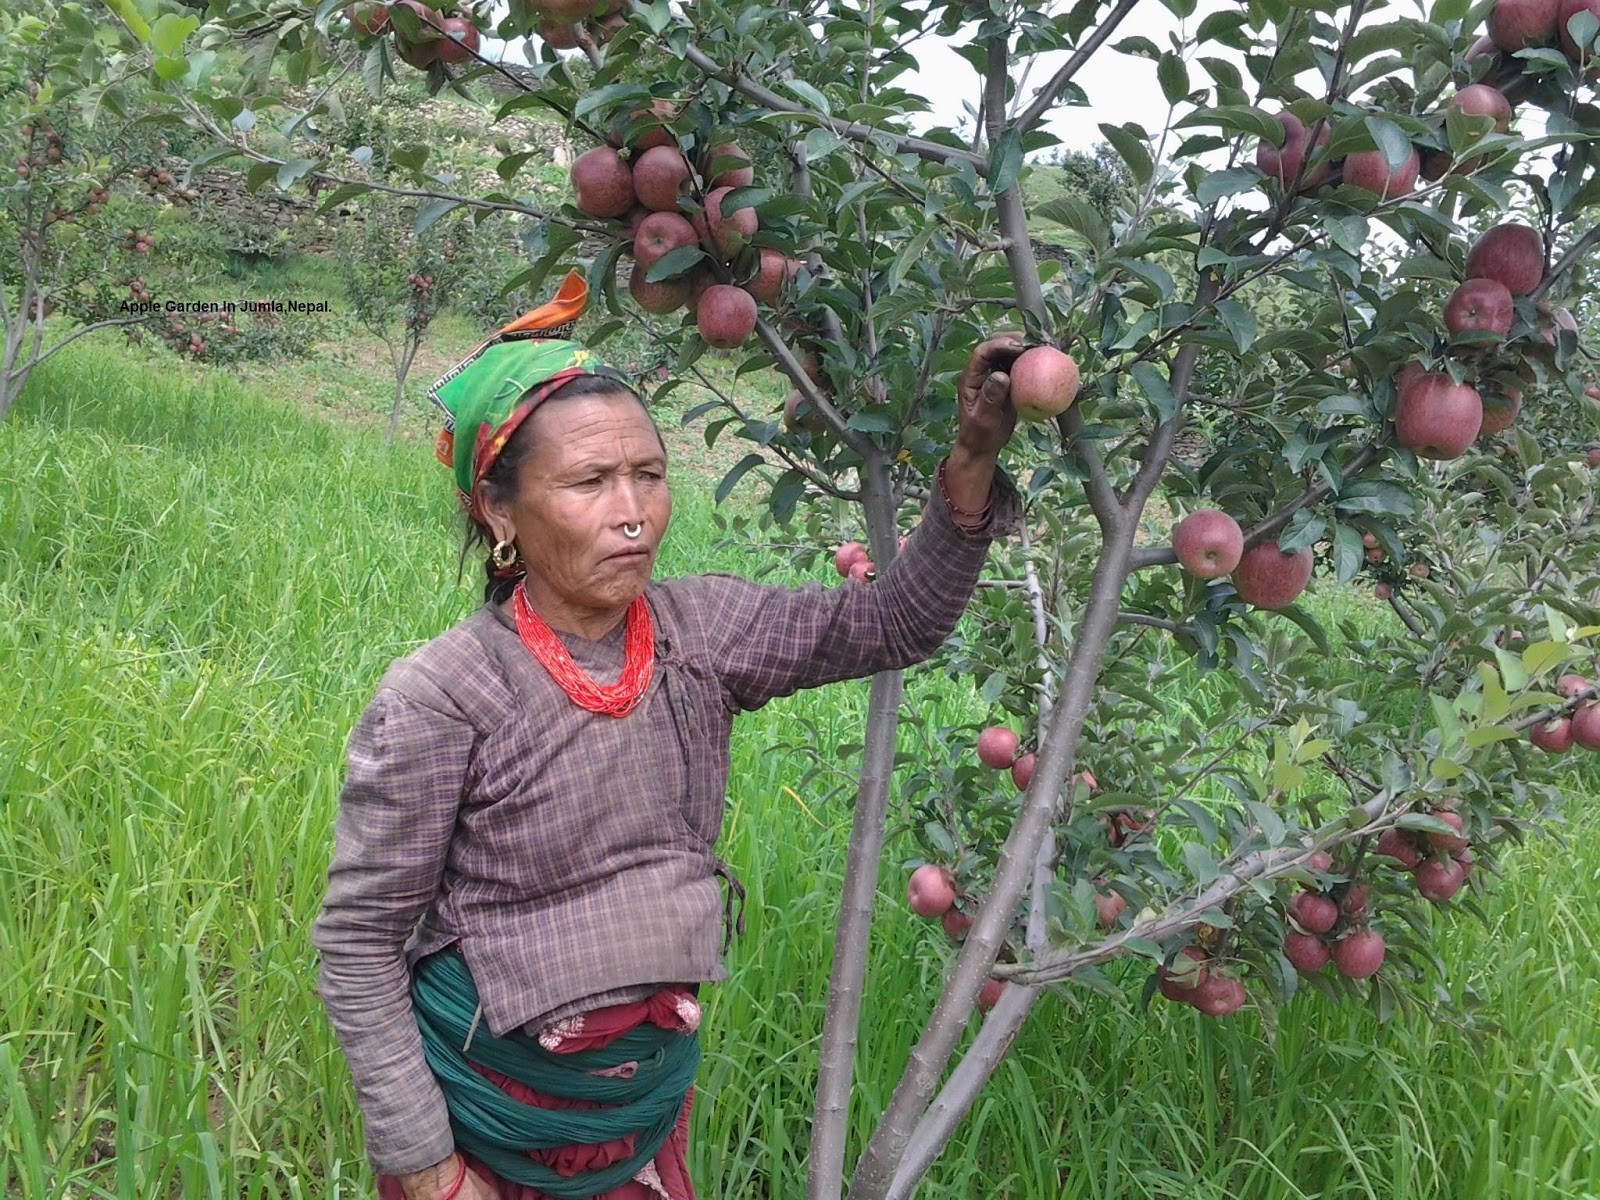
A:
<point x="523" y="899"/>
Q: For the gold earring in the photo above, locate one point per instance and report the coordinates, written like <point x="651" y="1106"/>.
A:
<point x="503" y="555"/>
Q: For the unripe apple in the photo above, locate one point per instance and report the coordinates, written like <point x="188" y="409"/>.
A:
<point x="1306" y="952"/>
<point x="1554" y="737"/>
<point x="1208" y="543"/>
<point x="1044" y="383"/>
<point x="1315" y="912"/>
<point x="1022" y="771"/>
<point x="1517" y="24"/>
<point x="1399" y="845"/>
<point x="1266" y="577"/>
<point x="997" y="747"/>
<point x="1359" y="955"/>
<point x="1439" y="879"/>
<point x="1484" y="304"/>
<point x="847" y="555"/>
<point x="602" y="184"/>
<point x="931" y="890"/>
<point x="1369" y="171"/>
<point x="1437" y="418"/>
<point x="1512" y="254"/>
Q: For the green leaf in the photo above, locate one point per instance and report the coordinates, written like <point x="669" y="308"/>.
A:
<point x="1347" y="553"/>
<point x="1077" y="215"/>
<point x="809" y="95"/>
<point x="1220" y="184"/>
<point x="1173" y="77"/>
<point x="742" y="468"/>
<point x="1240" y="322"/>
<point x="1156" y="389"/>
<point x="131" y="17"/>
<point x="1006" y="162"/>
<point x="1272" y="826"/>
<point x="1390" y="139"/>
<point x="1512" y="673"/>
<point x="1130" y="147"/>
<point x="673" y="262"/>
<point x="170" y="32"/>
<point x="431" y="212"/>
<point x="909" y="254"/>
<point x="1540" y="657"/>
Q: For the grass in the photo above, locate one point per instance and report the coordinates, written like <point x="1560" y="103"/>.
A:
<point x="199" y="587"/>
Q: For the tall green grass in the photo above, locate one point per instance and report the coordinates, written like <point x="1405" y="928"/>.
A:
<point x="198" y="591"/>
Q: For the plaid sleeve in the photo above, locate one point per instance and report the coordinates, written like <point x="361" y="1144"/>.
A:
<point x="407" y="767"/>
<point x="767" y="641"/>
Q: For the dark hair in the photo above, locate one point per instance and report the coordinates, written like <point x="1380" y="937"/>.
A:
<point x="501" y="478"/>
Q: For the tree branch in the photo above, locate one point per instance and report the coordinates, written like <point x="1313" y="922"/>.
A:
<point x="1133" y="618"/>
<point x="1570" y="259"/>
<point x="1080" y="57"/>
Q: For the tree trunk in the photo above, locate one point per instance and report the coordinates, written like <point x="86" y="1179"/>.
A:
<point x="402" y="370"/>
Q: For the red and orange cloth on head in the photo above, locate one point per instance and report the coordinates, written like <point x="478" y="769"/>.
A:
<point x="487" y="395"/>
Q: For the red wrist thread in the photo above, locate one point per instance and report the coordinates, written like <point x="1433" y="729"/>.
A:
<point x="461" y="1179"/>
<point x="955" y="509"/>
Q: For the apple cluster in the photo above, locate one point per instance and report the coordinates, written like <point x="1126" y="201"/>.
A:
<point x="1581" y="728"/>
<point x="441" y="37"/>
<point x="1209" y="544"/>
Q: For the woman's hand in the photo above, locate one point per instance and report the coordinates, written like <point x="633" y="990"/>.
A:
<point x="435" y="1182"/>
<point x="986" y="416"/>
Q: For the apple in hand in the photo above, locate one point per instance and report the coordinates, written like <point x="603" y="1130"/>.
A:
<point x="1044" y="383"/>
<point x="1208" y="543"/>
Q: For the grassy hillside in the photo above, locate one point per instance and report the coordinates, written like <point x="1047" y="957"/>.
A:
<point x="200" y="584"/>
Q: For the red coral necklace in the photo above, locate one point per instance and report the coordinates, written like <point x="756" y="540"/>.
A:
<point x="617" y="699"/>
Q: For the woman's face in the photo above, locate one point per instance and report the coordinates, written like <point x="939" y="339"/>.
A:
<point x="596" y="466"/>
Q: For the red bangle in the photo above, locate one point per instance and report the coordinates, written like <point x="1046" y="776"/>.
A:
<point x="955" y="509"/>
<point x="461" y="1179"/>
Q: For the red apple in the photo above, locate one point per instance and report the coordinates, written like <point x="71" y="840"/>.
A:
<point x="1438" y="879"/>
<point x="1266" y="577"/>
<point x="1108" y="906"/>
<point x="1369" y="170"/>
<point x="1399" y="845"/>
<point x="1208" y="543"/>
<point x="997" y="747"/>
<point x="731" y="176"/>
<point x="1218" y="996"/>
<point x="1359" y="955"/>
<point x="658" y="175"/>
<point x="775" y="271"/>
<point x="1481" y="100"/>
<point x="956" y="924"/>
<point x="1315" y="912"/>
<point x="1437" y="418"/>
<point x="460" y="42"/>
<point x="602" y="185"/>
<point x="658" y="235"/>
<point x="1593" y="456"/>
<point x="664" y="296"/>
<point x="1499" y="412"/>
<point x="1179" y="981"/>
<point x="1554" y="737"/>
<point x="863" y="571"/>
<point x="1570" y="685"/>
<point x="725" y="315"/>
<point x="1044" y="383"/>
<point x="1355" y="900"/>
<point x="1382" y="591"/>
<point x="1449" y="841"/>
<point x="1306" y="952"/>
<point x="1320" y="861"/>
<point x="1479" y="304"/>
<point x="931" y="891"/>
<point x="1022" y="771"/>
<point x="1284" y="163"/>
<point x="1586" y="726"/>
<point x="653" y="135"/>
<point x="558" y="35"/>
<point x="847" y="555"/>
<point x="799" y="415"/>
<point x="729" y="233"/>
<point x="1511" y="253"/>
<point x="568" y="11"/>
<point x="369" y="20"/>
<point x="1517" y="24"/>
<point x="989" y="995"/>
<point x="1568" y="10"/>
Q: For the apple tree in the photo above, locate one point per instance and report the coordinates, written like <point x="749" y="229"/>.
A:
<point x="1341" y="276"/>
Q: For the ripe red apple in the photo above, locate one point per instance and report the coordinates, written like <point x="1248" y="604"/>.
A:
<point x="931" y="891"/>
<point x="1593" y="456"/>
<point x="1108" y="906"/>
<point x="653" y="135"/>
<point x="728" y="234"/>
<point x="1179" y="981"/>
<point x="1449" y="841"/>
<point x="658" y="235"/>
<point x="725" y="315"/>
<point x="1586" y="726"/>
<point x="1437" y="418"/>
<point x="1218" y="996"/>
<point x="1554" y="737"/>
<point x="460" y="41"/>
<point x="997" y="747"/>
<point x="1208" y="543"/>
<point x="863" y="570"/>
<point x="799" y="415"/>
<point x="1022" y="771"/>
<point x="956" y="924"/>
<point x="1511" y="253"/>
<point x="602" y="184"/>
<point x="1568" y="10"/>
<point x="1266" y="577"/>
<point x="1359" y="955"/>
<point x="1438" y="879"/>
<point x="369" y="20"/>
<point x="847" y="556"/>
<point x="729" y="176"/>
<point x="1465" y="859"/>
<point x="558" y="35"/>
<point x="775" y="271"/>
<point x="1570" y="685"/>
<point x="989" y="995"/>
<point x="568" y="11"/>
<point x="421" y="53"/>
<point x="1306" y="952"/>
<point x="1517" y="24"/>
<point x="1382" y="591"/>
<point x="1481" y="100"/>
<point x="1284" y="163"/>
<point x="1320" y="861"/>
<point x="1499" y="412"/>
<point x="1355" y="900"/>
<point x="1315" y="912"/>
<point x="664" y="296"/>
<point x="1369" y="170"/>
<point x="1479" y="304"/>
<point x="1044" y="383"/>
<point x="658" y="175"/>
<point x="1399" y="845"/>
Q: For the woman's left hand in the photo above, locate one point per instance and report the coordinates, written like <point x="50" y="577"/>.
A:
<point x="986" y="417"/>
